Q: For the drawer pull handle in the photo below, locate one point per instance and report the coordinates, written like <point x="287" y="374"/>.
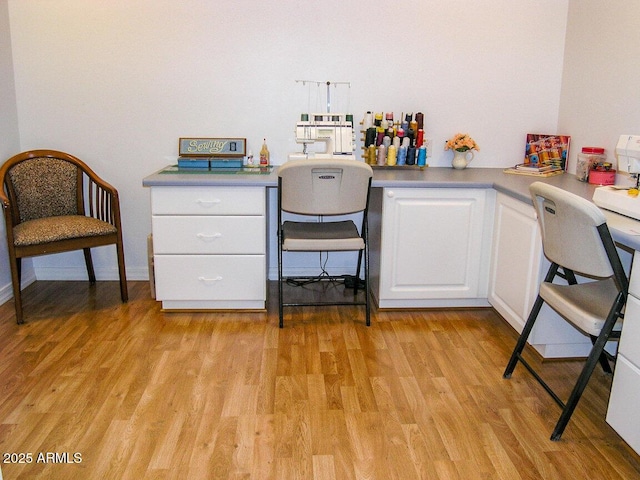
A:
<point x="204" y="236"/>
<point x="209" y="280"/>
<point x="208" y="203"/>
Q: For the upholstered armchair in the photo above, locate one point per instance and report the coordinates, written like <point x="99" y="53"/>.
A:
<point x="53" y="202"/>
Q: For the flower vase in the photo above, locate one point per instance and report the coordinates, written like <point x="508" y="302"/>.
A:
<point x="461" y="159"/>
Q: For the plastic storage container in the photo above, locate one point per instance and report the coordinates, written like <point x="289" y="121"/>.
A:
<point x="588" y="160"/>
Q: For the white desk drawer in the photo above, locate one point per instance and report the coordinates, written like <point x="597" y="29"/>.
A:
<point x="622" y="413"/>
<point x="206" y="235"/>
<point x="210" y="277"/>
<point x="208" y="201"/>
<point x="630" y="339"/>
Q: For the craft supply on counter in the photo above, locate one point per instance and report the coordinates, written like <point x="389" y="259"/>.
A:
<point x="602" y="174"/>
<point x="264" y="154"/>
<point x="588" y="160"/>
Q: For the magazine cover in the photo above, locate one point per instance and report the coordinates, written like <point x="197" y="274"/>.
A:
<point x="547" y="150"/>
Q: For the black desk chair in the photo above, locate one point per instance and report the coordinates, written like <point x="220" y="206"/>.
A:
<point x="576" y="239"/>
<point x="317" y="189"/>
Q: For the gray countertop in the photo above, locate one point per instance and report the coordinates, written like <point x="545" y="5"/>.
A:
<point x="516" y="186"/>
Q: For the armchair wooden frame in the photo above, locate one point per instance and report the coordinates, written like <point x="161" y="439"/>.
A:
<point x="96" y="203"/>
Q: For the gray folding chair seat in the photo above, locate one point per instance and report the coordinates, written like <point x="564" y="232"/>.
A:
<point x="320" y="189"/>
<point x="576" y="239"/>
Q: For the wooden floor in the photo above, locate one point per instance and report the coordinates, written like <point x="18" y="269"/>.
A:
<point x="91" y="388"/>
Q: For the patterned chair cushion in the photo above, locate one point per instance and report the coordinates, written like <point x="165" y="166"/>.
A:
<point x="64" y="227"/>
<point x="45" y="187"/>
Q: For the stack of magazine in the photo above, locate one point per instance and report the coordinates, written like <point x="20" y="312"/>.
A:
<point x="535" y="169"/>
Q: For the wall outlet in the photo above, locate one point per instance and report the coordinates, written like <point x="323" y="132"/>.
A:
<point x="428" y="142"/>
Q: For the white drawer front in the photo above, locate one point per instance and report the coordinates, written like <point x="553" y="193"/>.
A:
<point x="210" y="277"/>
<point x="630" y="339"/>
<point x="622" y="413"/>
<point x="208" y="201"/>
<point x="205" y="235"/>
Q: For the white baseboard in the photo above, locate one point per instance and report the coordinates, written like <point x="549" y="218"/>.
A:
<point x="71" y="274"/>
<point x="6" y="291"/>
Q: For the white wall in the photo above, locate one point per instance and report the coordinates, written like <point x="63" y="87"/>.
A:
<point x="118" y="82"/>
<point x="9" y="143"/>
<point x="600" y="99"/>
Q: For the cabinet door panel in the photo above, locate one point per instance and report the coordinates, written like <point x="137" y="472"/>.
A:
<point x="515" y="264"/>
<point x="432" y="243"/>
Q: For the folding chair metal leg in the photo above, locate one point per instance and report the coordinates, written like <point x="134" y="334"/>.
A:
<point x="592" y="361"/>
<point x="522" y="340"/>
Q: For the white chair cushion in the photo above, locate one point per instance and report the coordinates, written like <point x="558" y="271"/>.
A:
<point x="586" y="305"/>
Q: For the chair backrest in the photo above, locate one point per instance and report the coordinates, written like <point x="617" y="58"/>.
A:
<point x="573" y="232"/>
<point x="324" y="186"/>
<point x="44" y="187"/>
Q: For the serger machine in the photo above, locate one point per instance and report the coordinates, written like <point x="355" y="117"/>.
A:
<point x="335" y="130"/>
<point x="620" y="199"/>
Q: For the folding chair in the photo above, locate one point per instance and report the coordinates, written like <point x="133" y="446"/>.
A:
<point x="321" y="189"/>
<point x="576" y="239"/>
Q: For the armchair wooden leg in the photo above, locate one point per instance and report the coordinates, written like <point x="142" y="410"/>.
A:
<point x="124" y="293"/>
<point x="89" y="263"/>
<point x="16" y="274"/>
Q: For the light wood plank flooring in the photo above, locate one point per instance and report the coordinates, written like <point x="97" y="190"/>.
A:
<point x="142" y="394"/>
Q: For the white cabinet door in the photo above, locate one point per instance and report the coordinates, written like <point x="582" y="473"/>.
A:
<point x="517" y="268"/>
<point x="515" y="262"/>
<point x="433" y="246"/>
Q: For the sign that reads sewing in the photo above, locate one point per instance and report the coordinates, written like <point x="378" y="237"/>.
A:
<point x="212" y="147"/>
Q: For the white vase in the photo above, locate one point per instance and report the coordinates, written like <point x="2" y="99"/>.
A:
<point x="461" y="159"/>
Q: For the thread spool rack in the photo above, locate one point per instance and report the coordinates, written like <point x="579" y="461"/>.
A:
<point x="401" y="140"/>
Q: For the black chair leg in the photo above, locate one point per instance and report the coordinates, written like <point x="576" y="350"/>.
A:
<point x="280" y="279"/>
<point x="604" y="361"/>
<point x="583" y="379"/>
<point x="522" y="340"/>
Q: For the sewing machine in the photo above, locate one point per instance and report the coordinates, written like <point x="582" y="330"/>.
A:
<point x="618" y="198"/>
<point x="335" y="130"/>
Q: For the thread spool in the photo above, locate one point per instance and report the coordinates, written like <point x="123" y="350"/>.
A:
<point x="389" y="117"/>
<point x="400" y="132"/>
<point x="405" y="127"/>
<point x="402" y="155"/>
<point x="371" y="155"/>
<point x="379" y="136"/>
<point x="422" y="156"/>
<point x="382" y="155"/>
<point x="385" y="125"/>
<point x="377" y="120"/>
<point x="420" y="138"/>
<point x="411" y="133"/>
<point x="406" y="142"/>
<point x="386" y="141"/>
<point x="420" y="120"/>
<point x="367" y="121"/>
<point x="392" y="153"/>
<point x="408" y="117"/>
<point x="370" y="137"/>
<point x="396" y="142"/>
<point x="411" y="155"/>
<point x="413" y="125"/>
